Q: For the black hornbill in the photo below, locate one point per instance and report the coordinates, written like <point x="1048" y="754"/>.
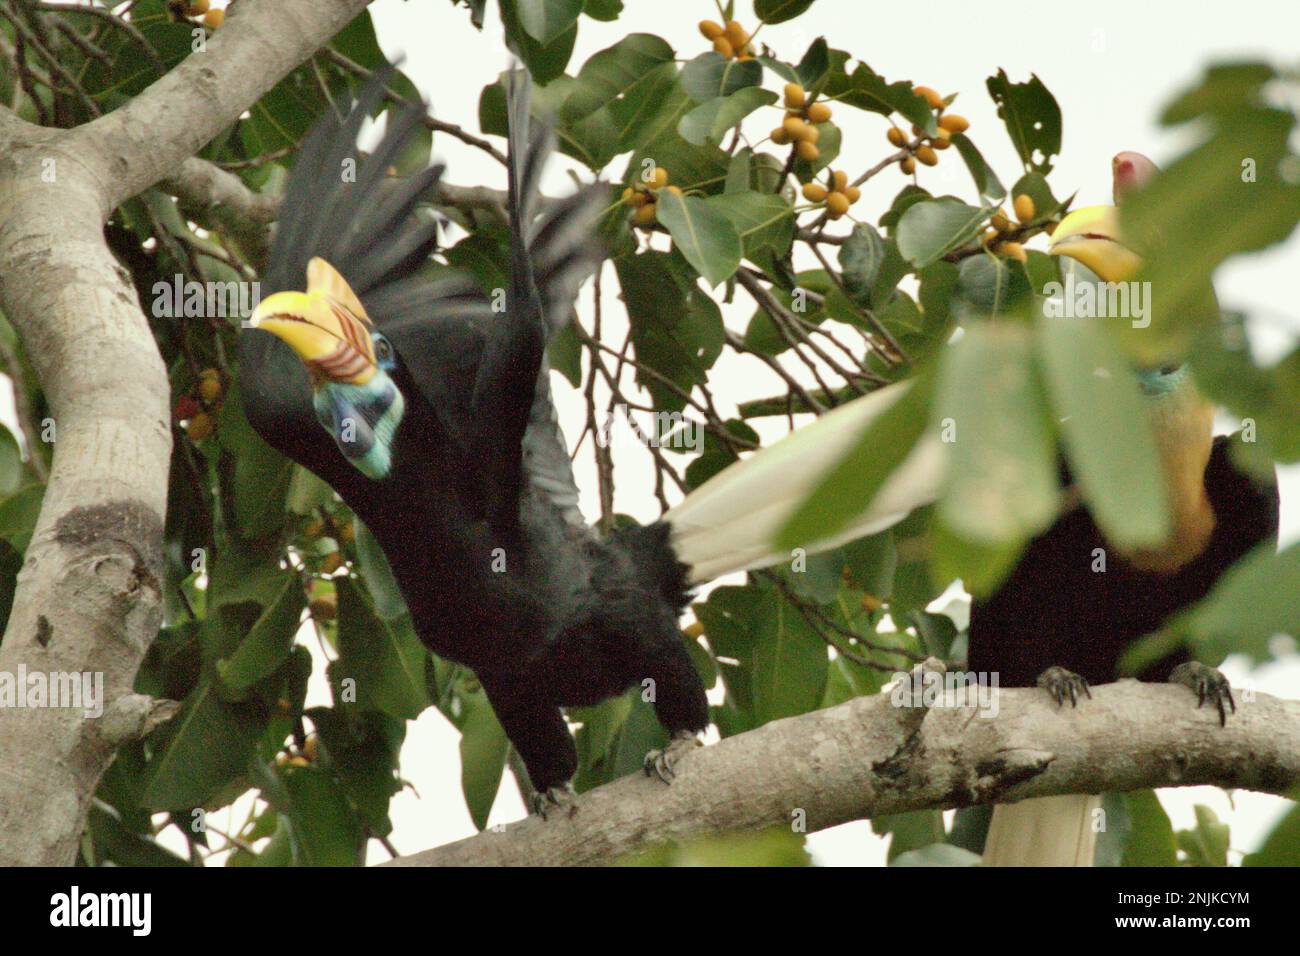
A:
<point x="439" y="432"/>
<point x="1060" y="621"/>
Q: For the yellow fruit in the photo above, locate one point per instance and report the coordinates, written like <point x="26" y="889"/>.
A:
<point x="941" y="139"/>
<point x="780" y="136"/>
<point x="1000" y="222"/>
<point x="723" y="46"/>
<point x="693" y="630"/>
<point x="214" y="18"/>
<point x="814" y="192"/>
<point x="853" y="192"/>
<point x="931" y="96"/>
<point x="1024" y="207"/>
<point x="311" y="748"/>
<point x="675" y="190"/>
<point x="954" y="123"/>
<point x="737" y="35"/>
<point x="313" y="529"/>
<point x="1013" y="250"/>
<point x="196" y="8"/>
<point x="927" y="155"/>
<point x="346" y="533"/>
<point x="645" y="215"/>
<point x="990" y="235"/>
<point x="810" y="134"/>
<point x="711" y="30"/>
<point x="210" y="385"/>
<point x="871" y="603"/>
<point x="896" y="137"/>
<point x="907" y="164"/>
<point x="200" y="426"/>
<point x="837" y="204"/>
<point x="331" y="562"/>
<point x="299" y="762"/>
<point x="841" y="179"/>
<point x="794" y="126"/>
<point x="794" y="96"/>
<point x="629" y="196"/>
<point x="819" y="113"/>
<point x="281" y="759"/>
<point x="658" y="178"/>
<point x="808" y="152"/>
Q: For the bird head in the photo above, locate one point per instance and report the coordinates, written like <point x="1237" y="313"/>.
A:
<point x="348" y="360"/>
<point x="1093" y="237"/>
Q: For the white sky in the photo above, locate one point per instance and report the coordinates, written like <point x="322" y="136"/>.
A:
<point x="1111" y="65"/>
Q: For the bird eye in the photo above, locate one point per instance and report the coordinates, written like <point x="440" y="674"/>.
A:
<point x="383" y="350"/>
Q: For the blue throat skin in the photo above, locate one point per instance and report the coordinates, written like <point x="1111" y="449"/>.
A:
<point x="363" y="421"/>
<point x="1161" y="380"/>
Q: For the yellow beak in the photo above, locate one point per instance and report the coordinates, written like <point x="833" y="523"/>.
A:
<point x="325" y="326"/>
<point x="1092" y="236"/>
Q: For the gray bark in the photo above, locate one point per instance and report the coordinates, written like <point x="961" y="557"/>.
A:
<point x="88" y="595"/>
<point x="867" y="757"/>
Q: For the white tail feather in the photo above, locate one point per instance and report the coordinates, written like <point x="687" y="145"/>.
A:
<point x="729" y="522"/>
<point x="1045" y="831"/>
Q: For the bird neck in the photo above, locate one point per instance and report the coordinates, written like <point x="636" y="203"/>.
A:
<point x="1183" y="426"/>
<point x="363" y="420"/>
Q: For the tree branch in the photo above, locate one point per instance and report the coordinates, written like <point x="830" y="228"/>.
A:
<point x="868" y="757"/>
<point x="89" y="598"/>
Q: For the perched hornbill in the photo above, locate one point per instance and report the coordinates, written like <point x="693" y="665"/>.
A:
<point x="426" y="405"/>
<point x="1058" y="623"/>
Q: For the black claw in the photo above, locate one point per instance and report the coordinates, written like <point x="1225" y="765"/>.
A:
<point x="1061" y="683"/>
<point x="555" y="798"/>
<point x="660" y="763"/>
<point x="1209" y="684"/>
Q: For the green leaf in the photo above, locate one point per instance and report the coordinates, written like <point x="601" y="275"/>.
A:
<point x="1032" y="118"/>
<point x="384" y="658"/>
<point x="18" y="514"/>
<point x="483" y="749"/>
<point x="910" y="831"/>
<point x="765" y="221"/>
<point x="325" y="828"/>
<point x="849" y="487"/>
<point x="267" y="645"/>
<point x="867" y="90"/>
<point x="1207" y="844"/>
<point x="626" y="69"/>
<point x="931" y="229"/>
<point x="709" y="122"/>
<point x="704" y="236"/>
<point x="779" y="11"/>
<point x="790" y="662"/>
<point x="201" y="749"/>
<point x="363" y="750"/>
<point x="378" y="575"/>
<point x="1151" y="836"/>
<point x="711" y="75"/>
<point x="1106" y="432"/>
<point x="11" y="463"/>
<point x="546" y="20"/>
<point x="1255" y="600"/>
<point x="986" y="180"/>
<point x="1001" y="482"/>
<point x="545" y="61"/>
<point x="1282" y="846"/>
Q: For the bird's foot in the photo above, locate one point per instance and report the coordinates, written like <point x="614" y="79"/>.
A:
<point x="1063" y="684"/>
<point x="557" y="800"/>
<point x="1209" y="684"/>
<point x="661" y="763"/>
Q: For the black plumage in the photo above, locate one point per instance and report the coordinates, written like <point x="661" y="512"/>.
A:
<point x="1056" y="610"/>
<point x="478" y="517"/>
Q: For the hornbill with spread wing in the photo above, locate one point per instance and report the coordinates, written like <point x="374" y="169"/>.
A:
<point x="426" y="405"/>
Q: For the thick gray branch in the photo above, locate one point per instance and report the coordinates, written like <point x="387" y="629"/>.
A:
<point x="89" y="594"/>
<point x="867" y="757"/>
